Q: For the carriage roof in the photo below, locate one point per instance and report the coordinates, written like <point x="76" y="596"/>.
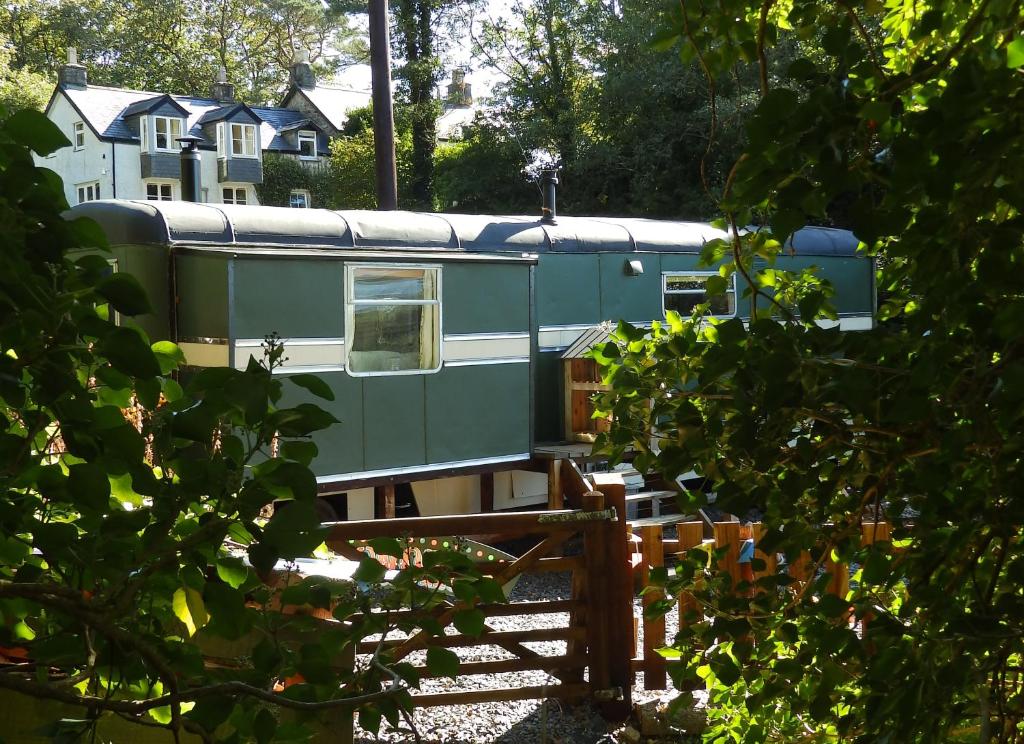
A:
<point x="283" y="229"/>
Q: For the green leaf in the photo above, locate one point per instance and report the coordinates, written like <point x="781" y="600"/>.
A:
<point x="301" y="452"/>
<point x="129" y="353"/>
<point x="370" y="570"/>
<point x="188" y="607"/>
<point x="35" y="130"/>
<point x="168" y="355"/>
<point x="313" y="384"/>
<point x="232" y="571"/>
<point x="1015" y="53"/>
<point x="470" y="622"/>
<point x="124" y="292"/>
<point x="89" y="485"/>
<point x="442" y="662"/>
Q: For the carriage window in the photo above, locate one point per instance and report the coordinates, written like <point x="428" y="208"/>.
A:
<point x="684" y="291"/>
<point x="392" y="319"/>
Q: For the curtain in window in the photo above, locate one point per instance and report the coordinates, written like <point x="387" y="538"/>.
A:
<point x="430" y="341"/>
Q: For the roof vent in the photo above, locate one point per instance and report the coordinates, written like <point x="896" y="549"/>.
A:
<point x="73" y="75"/>
<point x="549" y="190"/>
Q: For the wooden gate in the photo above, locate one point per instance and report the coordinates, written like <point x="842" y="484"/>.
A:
<point x="596" y="663"/>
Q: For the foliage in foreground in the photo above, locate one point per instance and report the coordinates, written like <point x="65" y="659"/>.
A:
<point x="122" y="493"/>
<point x="911" y="116"/>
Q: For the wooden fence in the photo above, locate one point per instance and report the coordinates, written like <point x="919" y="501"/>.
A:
<point x="596" y="663"/>
<point x="655" y="548"/>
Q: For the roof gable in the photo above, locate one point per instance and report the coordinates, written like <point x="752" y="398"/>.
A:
<point x="149" y="105"/>
<point x="232" y="111"/>
<point x="334" y="104"/>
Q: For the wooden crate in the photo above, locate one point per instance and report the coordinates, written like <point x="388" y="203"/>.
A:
<point x="582" y="382"/>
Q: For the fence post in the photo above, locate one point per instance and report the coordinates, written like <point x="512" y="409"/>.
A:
<point x="691" y="535"/>
<point x="727" y="534"/>
<point x="655" y="676"/>
<point x="595" y="553"/>
<point x="619" y="609"/>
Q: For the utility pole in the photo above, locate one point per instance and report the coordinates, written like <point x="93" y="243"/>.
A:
<point x="383" y="113"/>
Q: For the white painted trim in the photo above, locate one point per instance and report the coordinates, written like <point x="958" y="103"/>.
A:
<point x="485" y="346"/>
<point x="559" y="337"/>
<point x="301" y="354"/>
<point x="411" y="469"/>
<point x="850" y="323"/>
<point x="474" y="362"/>
<point x="204" y="355"/>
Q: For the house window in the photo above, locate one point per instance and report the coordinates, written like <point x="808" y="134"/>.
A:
<point x="88" y="191"/>
<point x="686" y="290"/>
<point x="79" y="135"/>
<point x="234" y="196"/>
<point x="392" y="319"/>
<point x="307" y="145"/>
<point x="166" y="131"/>
<point x="243" y="140"/>
<point x="299" y="199"/>
<point x="159" y="191"/>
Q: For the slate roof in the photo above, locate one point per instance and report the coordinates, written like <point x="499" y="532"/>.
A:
<point x="104" y="110"/>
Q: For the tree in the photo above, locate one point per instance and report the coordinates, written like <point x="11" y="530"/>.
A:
<point x="21" y="88"/>
<point x="909" y="116"/>
<point x="353" y="179"/>
<point x="133" y="527"/>
<point x="178" y="45"/>
<point x="422" y="31"/>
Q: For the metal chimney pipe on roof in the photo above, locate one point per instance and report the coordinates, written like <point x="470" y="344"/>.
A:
<point x="549" y="188"/>
<point x="191" y="169"/>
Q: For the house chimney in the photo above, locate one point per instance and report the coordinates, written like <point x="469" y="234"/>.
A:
<point x="73" y="75"/>
<point x="459" y="91"/>
<point x="300" y="73"/>
<point x="221" y="89"/>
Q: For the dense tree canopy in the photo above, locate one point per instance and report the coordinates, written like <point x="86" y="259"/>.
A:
<point x="910" y="116"/>
<point x="176" y="46"/>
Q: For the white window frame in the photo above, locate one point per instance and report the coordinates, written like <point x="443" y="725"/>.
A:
<point x="304" y="193"/>
<point x="731" y="292"/>
<point x="87" y="191"/>
<point x="243" y="128"/>
<point x="172" y="145"/>
<point x="78" y="135"/>
<point x="222" y="147"/>
<point x="306" y="135"/>
<point x="351" y="269"/>
<point x="159" y="190"/>
<point x="233" y="199"/>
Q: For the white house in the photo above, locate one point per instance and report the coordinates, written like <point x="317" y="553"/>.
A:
<point x="123" y="142"/>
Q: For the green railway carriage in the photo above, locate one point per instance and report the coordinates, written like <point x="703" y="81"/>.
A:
<point x="441" y="335"/>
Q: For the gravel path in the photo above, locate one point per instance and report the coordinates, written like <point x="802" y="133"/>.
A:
<point x="516" y="722"/>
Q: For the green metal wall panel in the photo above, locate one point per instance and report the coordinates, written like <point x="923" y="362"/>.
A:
<point x="148" y="264"/>
<point x="478" y="411"/>
<point x="481" y="298"/>
<point x="568" y="289"/>
<point x="681" y="262"/>
<point x="851" y="278"/>
<point x="633" y="298"/>
<point x="393" y="430"/>
<point x="548" y="397"/>
<point x="202" y="296"/>
<point x="294" y="298"/>
<point x="341" y="445"/>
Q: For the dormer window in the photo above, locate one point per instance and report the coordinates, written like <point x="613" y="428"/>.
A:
<point x="307" y="145"/>
<point x="166" y="131"/>
<point x="243" y="141"/>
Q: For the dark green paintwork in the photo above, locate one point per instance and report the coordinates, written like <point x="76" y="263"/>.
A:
<point x="148" y="264"/>
<point x="485" y="298"/>
<point x="296" y="299"/>
<point x="394" y="430"/>
<point x="478" y="411"/>
<point x="567" y="289"/>
<point x="624" y="297"/>
<point x="548" y="397"/>
<point x="203" y="296"/>
<point x="341" y="445"/>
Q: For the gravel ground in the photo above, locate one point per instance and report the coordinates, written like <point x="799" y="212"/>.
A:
<point x="516" y="722"/>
